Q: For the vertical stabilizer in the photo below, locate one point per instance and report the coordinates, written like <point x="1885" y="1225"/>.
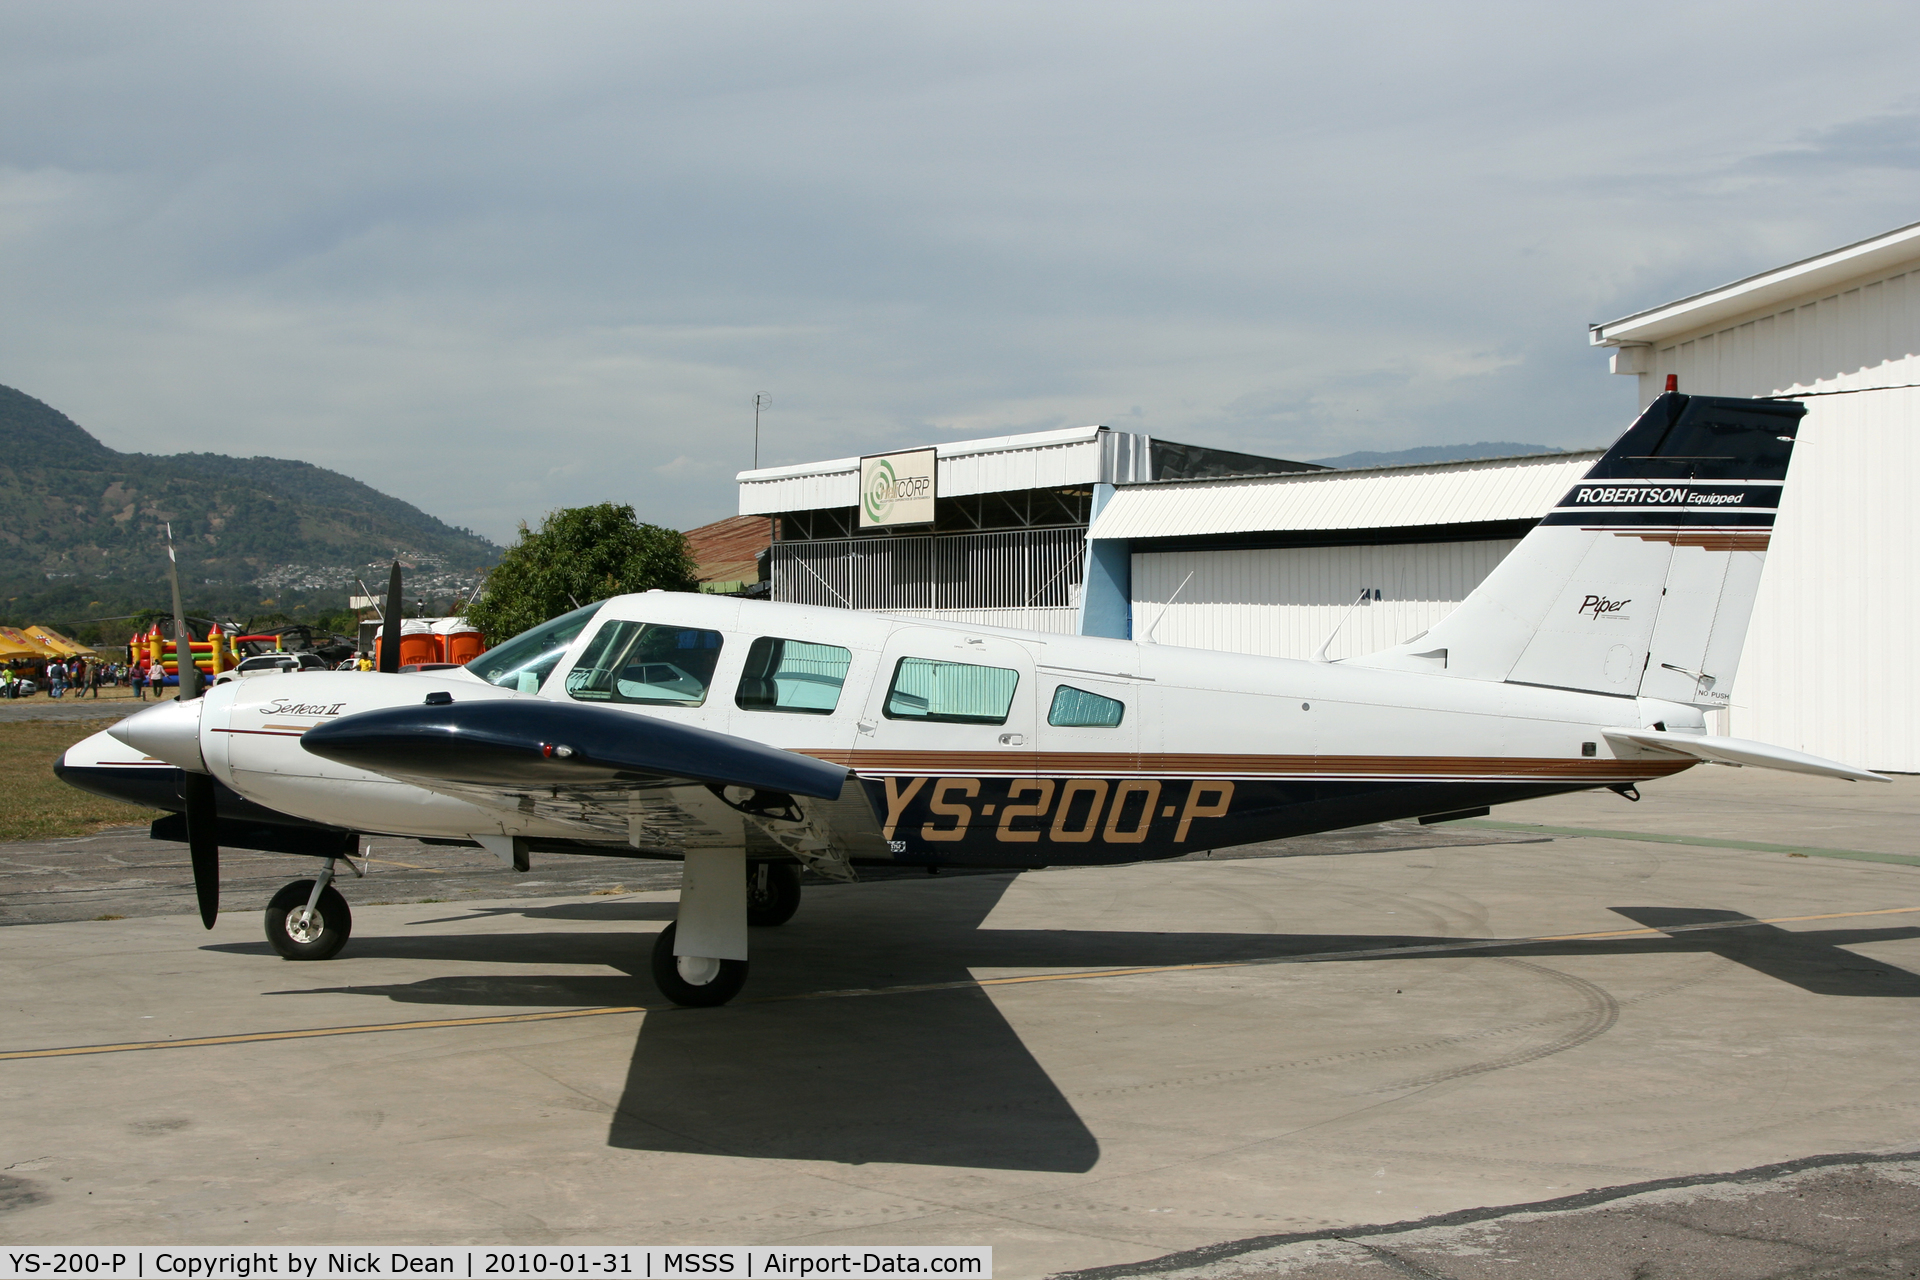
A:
<point x="1641" y="580"/>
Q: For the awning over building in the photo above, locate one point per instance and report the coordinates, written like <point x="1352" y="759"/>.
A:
<point x="1436" y="495"/>
<point x="1077" y="456"/>
<point x="1782" y="286"/>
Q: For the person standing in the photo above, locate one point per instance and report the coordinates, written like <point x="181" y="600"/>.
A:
<point x="93" y="680"/>
<point x="137" y="677"/>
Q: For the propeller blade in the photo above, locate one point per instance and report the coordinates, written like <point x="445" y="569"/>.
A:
<point x="182" y="639"/>
<point x="390" y="625"/>
<point x="203" y="818"/>
<point x="203" y="843"/>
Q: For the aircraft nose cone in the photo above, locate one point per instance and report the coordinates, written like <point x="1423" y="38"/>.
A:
<point x="170" y="732"/>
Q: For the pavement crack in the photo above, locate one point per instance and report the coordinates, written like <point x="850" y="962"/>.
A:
<point x="1404" y="1266"/>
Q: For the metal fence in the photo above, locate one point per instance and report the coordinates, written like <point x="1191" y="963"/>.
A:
<point x="1021" y="569"/>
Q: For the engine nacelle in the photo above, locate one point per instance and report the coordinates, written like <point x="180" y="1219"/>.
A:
<point x="248" y="736"/>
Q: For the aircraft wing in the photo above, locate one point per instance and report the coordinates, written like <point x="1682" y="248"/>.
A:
<point x="1740" y="751"/>
<point x="644" y="780"/>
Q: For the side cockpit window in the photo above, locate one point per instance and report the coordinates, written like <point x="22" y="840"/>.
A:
<point x="647" y="664"/>
<point x="950" y="692"/>
<point x="1076" y="708"/>
<point x="793" y="676"/>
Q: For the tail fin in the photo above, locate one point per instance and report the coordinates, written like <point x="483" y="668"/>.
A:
<point x="1641" y="581"/>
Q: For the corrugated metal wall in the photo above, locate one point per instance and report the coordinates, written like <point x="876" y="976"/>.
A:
<point x="1042" y="460"/>
<point x="1829" y="664"/>
<point x="1375" y="498"/>
<point x="1021" y="570"/>
<point x="1285" y="603"/>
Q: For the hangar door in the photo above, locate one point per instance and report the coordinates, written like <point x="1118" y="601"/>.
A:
<point x="1285" y="602"/>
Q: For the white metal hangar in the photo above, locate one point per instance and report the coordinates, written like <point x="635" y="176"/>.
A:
<point x="1000" y="540"/>
<point x="1333" y="563"/>
<point x="1829" y="660"/>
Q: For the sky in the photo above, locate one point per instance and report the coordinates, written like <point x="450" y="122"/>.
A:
<point x="497" y="259"/>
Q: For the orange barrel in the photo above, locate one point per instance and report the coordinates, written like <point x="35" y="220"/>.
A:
<point x="417" y="642"/>
<point x="460" y="640"/>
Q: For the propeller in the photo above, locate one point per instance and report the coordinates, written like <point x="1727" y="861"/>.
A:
<point x="390" y="624"/>
<point x="197" y="789"/>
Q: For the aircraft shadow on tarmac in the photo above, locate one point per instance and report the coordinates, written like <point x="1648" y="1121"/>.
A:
<point x="939" y="1077"/>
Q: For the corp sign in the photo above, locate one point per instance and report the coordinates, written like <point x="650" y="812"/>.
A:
<point x="897" y="488"/>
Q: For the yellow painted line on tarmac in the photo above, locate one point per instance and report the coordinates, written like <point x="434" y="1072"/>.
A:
<point x="1081" y="975"/>
<point x="309" y="1033"/>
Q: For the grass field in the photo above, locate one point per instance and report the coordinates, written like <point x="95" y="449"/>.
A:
<point x="34" y="805"/>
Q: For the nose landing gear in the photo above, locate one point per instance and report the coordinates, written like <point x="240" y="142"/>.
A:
<point x="308" y="919"/>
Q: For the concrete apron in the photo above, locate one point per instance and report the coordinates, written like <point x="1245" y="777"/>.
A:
<point x="1238" y="1079"/>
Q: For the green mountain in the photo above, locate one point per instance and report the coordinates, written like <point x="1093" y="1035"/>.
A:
<point x="82" y="527"/>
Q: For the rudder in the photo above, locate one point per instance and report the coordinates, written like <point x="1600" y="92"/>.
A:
<point x="1642" y="579"/>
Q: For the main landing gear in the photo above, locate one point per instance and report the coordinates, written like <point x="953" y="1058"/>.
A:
<point x="773" y="892"/>
<point x="308" y="919"/>
<point x="700" y="960"/>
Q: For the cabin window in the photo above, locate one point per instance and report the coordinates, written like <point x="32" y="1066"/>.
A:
<point x="524" y="662"/>
<point x="640" y="662"/>
<point x="793" y="676"/>
<point x="950" y="692"/>
<point x="1076" y="708"/>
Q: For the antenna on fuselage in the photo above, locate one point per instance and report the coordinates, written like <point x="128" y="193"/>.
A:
<point x="1168" y="605"/>
<point x="1367" y="596"/>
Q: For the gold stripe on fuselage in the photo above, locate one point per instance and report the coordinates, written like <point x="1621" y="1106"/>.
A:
<point x="1119" y="764"/>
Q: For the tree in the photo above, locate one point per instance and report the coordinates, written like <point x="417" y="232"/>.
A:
<point x="578" y="555"/>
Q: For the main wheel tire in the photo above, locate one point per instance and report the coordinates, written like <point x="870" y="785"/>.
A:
<point x="318" y="938"/>
<point x="724" y="984"/>
<point x="775" y="901"/>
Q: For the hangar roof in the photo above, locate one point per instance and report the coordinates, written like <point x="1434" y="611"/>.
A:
<point x="1000" y="464"/>
<point x="1434" y="493"/>
<point x="1768" y="289"/>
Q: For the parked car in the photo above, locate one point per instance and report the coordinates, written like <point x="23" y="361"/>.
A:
<point x="272" y="664"/>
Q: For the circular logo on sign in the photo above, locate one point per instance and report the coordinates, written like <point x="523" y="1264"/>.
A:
<point x="878" y="498"/>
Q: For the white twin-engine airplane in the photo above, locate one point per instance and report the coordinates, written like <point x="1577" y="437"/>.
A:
<point x="752" y="738"/>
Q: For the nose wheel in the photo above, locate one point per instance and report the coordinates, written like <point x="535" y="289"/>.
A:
<point x="308" y="919"/>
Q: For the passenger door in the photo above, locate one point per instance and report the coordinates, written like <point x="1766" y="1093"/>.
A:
<point x="950" y="721"/>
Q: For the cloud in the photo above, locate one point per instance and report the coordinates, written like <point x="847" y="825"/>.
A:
<point x="497" y="259"/>
<point x="1888" y="141"/>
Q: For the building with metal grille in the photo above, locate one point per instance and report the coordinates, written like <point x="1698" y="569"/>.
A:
<point x="1007" y="543"/>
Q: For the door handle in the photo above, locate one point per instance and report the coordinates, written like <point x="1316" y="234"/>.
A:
<point x="1012" y="739"/>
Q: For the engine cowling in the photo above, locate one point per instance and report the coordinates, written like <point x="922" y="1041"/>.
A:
<point x="247" y="734"/>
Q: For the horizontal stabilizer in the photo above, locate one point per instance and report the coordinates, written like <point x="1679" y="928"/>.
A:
<point x="1735" y="751"/>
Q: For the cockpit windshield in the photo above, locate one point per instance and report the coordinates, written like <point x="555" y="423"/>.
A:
<point x="526" y="660"/>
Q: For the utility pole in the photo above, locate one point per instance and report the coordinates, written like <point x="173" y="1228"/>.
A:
<point x="761" y="400"/>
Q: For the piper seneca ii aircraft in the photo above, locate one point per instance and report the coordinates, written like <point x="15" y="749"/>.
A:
<point x="750" y="739"/>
